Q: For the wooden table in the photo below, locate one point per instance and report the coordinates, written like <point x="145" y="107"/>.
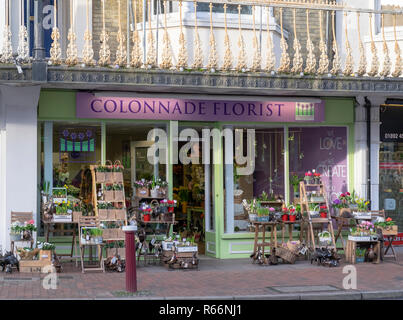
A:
<point x="73" y="243"/>
<point x="390" y="246"/>
<point x="273" y="236"/>
<point x="290" y="225"/>
<point x="352" y="246"/>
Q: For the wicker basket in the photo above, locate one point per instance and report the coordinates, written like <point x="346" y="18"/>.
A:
<point x="286" y="254"/>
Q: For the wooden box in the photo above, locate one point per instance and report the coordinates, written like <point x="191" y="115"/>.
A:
<point x="120" y="214"/>
<point x="389" y="231"/>
<point x="103" y="214"/>
<point x="33" y="266"/>
<point x="111" y="214"/>
<point x="119" y="195"/>
<point x="45" y="255"/>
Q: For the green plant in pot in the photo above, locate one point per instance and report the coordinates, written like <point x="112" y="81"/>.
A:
<point x="263" y="214"/>
<point x="295" y="181"/>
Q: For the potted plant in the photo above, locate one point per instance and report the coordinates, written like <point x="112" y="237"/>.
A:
<point x="285" y="214"/>
<point x="359" y="255"/>
<point x="325" y="237"/>
<point x="118" y="193"/>
<point x="77" y="211"/>
<point x="295" y="181"/>
<point x="109" y="194"/>
<point x="46" y="250"/>
<point x="28" y="229"/>
<point x="117" y="172"/>
<point x="313" y="210"/>
<point x="362" y="209"/>
<point x="96" y="235"/>
<point x="388" y="227"/>
<point x="308" y="177"/>
<point x="155" y="192"/>
<point x="323" y="211"/>
<point x="142" y="188"/>
<point x="100" y="174"/>
<point x="293" y="213"/>
<point x="251" y="207"/>
<point x="263" y="214"/>
<point x="316" y="177"/>
<point x="16" y="231"/>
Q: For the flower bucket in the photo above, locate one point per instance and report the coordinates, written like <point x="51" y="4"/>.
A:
<point x="323" y="214"/>
<point x="155" y="193"/>
<point x="100" y="177"/>
<point x="162" y="192"/>
<point x="120" y="214"/>
<point x="171" y="209"/>
<point x="119" y="195"/>
<point x="142" y="192"/>
<point x="284" y="217"/>
<point x="359" y="259"/>
<point x="117" y="177"/>
<point x="103" y="214"/>
<point x="111" y="214"/>
<point x="314" y="213"/>
<point x="76" y="216"/>
<point x="109" y="195"/>
<point x="252" y="217"/>
<point x="293" y="218"/>
<point x="147" y="217"/>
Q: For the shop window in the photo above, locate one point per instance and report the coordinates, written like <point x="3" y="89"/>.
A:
<point x="266" y="182"/>
<point x="323" y="149"/>
<point x="391" y="180"/>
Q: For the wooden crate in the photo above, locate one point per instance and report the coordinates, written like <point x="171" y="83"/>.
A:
<point x="33" y="266"/>
<point x="45" y="255"/>
<point x="390" y="231"/>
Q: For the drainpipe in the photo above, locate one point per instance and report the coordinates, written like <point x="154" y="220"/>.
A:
<point x="39" y="65"/>
<point x="368" y="116"/>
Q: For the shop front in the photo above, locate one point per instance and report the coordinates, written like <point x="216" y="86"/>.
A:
<point x="213" y="152"/>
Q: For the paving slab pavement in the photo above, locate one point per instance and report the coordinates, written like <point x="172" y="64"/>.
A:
<point x="215" y="280"/>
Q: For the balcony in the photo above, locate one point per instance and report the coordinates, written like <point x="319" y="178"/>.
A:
<point x="208" y="52"/>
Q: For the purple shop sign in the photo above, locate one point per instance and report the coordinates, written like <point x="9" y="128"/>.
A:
<point x="90" y="106"/>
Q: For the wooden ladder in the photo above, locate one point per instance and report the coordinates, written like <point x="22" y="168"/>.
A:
<point x="313" y="222"/>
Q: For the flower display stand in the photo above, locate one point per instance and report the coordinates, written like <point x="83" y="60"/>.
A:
<point x="21" y="217"/>
<point x="313" y="223"/>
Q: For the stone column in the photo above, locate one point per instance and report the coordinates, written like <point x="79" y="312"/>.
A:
<point x="361" y="149"/>
<point x="376" y="101"/>
<point x="18" y="165"/>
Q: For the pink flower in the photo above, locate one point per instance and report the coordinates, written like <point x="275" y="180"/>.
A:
<point x="31" y="222"/>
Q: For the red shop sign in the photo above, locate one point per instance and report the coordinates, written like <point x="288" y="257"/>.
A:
<point x="397" y="240"/>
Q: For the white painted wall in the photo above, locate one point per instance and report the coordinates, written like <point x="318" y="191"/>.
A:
<point x="18" y="155"/>
<point x="203" y="22"/>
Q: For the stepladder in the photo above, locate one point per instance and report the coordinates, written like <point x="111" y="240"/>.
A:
<point x="316" y="215"/>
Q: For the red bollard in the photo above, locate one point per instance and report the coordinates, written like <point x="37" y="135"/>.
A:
<point x="131" y="278"/>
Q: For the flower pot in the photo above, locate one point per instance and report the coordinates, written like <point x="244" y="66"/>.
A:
<point x="359" y="259"/>
<point x="293" y="218"/>
<point x="117" y="177"/>
<point x="76" y="216"/>
<point x="103" y="214"/>
<point x="314" y="214"/>
<point x="111" y="214"/>
<point x="100" y="177"/>
<point x="27" y="235"/>
<point x="170" y="209"/>
<point x="108" y="177"/>
<point x="155" y="193"/>
<point x="109" y="195"/>
<point x="142" y="192"/>
<point x="323" y="215"/>
<point x="162" y="192"/>
<point x="252" y="216"/>
<point x="15" y="236"/>
<point x="119" y="195"/>
<point x="45" y="255"/>
<point x="284" y="217"/>
<point x="147" y="217"/>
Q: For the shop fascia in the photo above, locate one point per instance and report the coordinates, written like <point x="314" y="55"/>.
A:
<point x="89" y="105"/>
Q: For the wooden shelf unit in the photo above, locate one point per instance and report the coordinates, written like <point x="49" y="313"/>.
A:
<point x="313" y="223"/>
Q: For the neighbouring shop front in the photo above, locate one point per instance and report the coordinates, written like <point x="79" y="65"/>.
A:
<point x="214" y="152"/>
<point x="391" y="161"/>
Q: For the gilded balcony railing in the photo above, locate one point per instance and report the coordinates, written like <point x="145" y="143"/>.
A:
<point x="328" y="62"/>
